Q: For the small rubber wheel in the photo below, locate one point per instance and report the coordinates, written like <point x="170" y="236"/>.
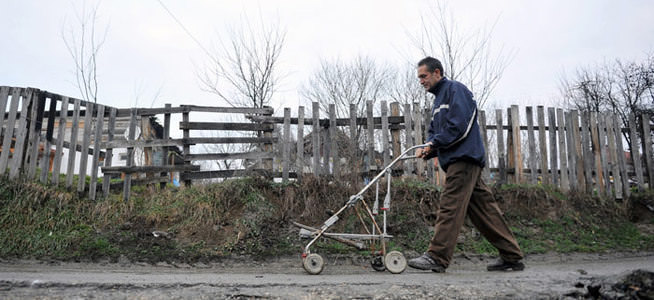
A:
<point x="377" y="263"/>
<point x="313" y="264"/>
<point x="395" y="262"/>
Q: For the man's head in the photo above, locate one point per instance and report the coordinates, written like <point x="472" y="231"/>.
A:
<point x="430" y="71"/>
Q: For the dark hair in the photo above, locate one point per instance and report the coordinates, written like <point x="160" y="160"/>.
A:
<point x="432" y="64"/>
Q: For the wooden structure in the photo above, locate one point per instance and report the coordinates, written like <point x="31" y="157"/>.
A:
<point x="567" y="149"/>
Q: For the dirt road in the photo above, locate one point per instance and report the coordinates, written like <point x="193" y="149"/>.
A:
<point x="546" y="276"/>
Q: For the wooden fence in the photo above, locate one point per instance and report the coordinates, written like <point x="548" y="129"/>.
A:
<point x="567" y="149"/>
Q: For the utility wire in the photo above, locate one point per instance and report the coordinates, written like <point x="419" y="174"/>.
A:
<point x="187" y="31"/>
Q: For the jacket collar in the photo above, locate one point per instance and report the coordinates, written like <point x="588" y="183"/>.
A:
<point x="434" y="89"/>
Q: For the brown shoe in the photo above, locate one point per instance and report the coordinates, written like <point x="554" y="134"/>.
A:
<point x="502" y="265"/>
<point x="426" y="262"/>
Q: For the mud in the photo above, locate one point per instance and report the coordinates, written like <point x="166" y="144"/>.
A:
<point x="345" y="277"/>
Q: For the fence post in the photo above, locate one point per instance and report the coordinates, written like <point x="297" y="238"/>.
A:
<point x="86" y="141"/>
<point x="647" y="150"/>
<point x="300" y="143"/>
<point x="395" y="133"/>
<point x="485" y="173"/>
<point x="60" y="140"/>
<point x="595" y="137"/>
<point x="572" y="153"/>
<point x="501" y="154"/>
<point x="286" y="143"/>
<point x="45" y="166"/>
<point x="370" y="138"/>
<point x="542" y="144"/>
<point x="268" y="146"/>
<point x="533" y="176"/>
<point x="353" y="158"/>
<point x="613" y="153"/>
<point x="9" y="130"/>
<point x="315" y="134"/>
<point x="108" y="157"/>
<point x="127" y="183"/>
<point x="19" y="148"/>
<point x="35" y="131"/>
<point x="553" y="146"/>
<point x="96" y="152"/>
<point x="417" y="136"/>
<point x="408" y="136"/>
<point x="562" y="151"/>
<point x="635" y="155"/>
<point x="166" y="136"/>
<point x="586" y="146"/>
<point x="579" y="163"/>
<point x="333" y="134"/>
<point x="186" y="134"/>
<point x="516" y="144"/>
<point x="72" y="150"/>
<point x="621" y="159"/>
<point x="385" y="140"/>
<point x="603" y="153"/>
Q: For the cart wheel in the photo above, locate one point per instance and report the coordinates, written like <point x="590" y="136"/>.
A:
<point x="377" y="263"/>
<point x="313" y="264"/>
<point x="395" y="262"/>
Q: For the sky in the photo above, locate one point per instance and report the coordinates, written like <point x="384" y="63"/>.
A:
<point x="148" y="59"/>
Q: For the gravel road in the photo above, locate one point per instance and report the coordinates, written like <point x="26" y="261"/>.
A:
<point x="546" y="276"/>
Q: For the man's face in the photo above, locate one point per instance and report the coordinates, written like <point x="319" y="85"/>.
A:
<point x="428" y="79"/>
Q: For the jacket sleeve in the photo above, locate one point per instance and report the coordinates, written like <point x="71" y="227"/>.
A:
<point x="458" y="119"/>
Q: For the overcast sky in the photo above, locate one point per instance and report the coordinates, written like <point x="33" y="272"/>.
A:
<point x="146" y="51"/>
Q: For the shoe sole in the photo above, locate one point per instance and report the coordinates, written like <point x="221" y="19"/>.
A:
<point x="505" y="269"/>
<point x="437" y="269"/>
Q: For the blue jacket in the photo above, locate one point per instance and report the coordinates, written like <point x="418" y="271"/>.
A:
<point x="454" y="131"/>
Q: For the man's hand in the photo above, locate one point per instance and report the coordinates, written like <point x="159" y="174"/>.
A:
<point x="422" y="152"/>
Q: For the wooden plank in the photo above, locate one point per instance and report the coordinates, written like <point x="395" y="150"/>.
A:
<point x="299" y="163"/>
<point x="572" y="153"/>
<point x="533" y="169"/>
<point x="268" y="147"/>
<point x="315" y="135"/>
<point x="166" y="136"/>
<point x="286" y="151"/>
<point x="333" y="133"/>
<point x="223" y="140"/>
<point x="417" y="136"/>
<point x="186" y="134"/>
<point x="622" y="164"/>
<point x="72" y="151"/>
<point x="127" y="183"/>
<point x="501" y="154"/>
<point x="579" y="162"/>
<point x="223" y="156"/>
<point x="35" y="132"/>
<point x="109" y="156"/>
<point x="4" y="96"/>
<point x="408" y="138"/>
<point x="394" y="122"/>
<point x="370" y="139"/>
<point x="189" y="108"/>
<point x="635" y="154"/>
<point x="141" y="143"/>
<point x="385" y="143"/>
<point x="542" y="143"/>
<point x="604" y="155"/>
<point x="45" y="162"/>
<point x="613" y="155"/>
<point x="597" y="165"/>
<point x="517" y="145"/>
<point x="588" y="152"/>
<point x="565" y="184"/>
<point x="59" y="148"/>
<point x="553" y="146"/>
<point x="353" y="156"/>
<point x="149" y="169"/>
<point x="9" y="129"/>
<point x="326" y="149"/>
<point x="225" y="126"/>
<point x="395" y="134"/>
<point x="99" y="123"/>
<point x="232" y="174"/>
<point x="647" y="149"/>
<point x="86" y="142"/>
<point x="429" y="166"/>
<point x="21" y="136"/>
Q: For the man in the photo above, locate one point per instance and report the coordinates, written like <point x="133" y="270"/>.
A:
<point x="455" y="139"/>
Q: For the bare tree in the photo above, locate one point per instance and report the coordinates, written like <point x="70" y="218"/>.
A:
<point x="467" y="57"/>
<point x="344" y="83"/>
<point x="243" y="69"/>
<point x="84" y="44"/>
<point x="620" y="87"/>
<point x="404" y="86"/>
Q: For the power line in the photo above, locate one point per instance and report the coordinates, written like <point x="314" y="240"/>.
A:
<point x="186" y="30"/>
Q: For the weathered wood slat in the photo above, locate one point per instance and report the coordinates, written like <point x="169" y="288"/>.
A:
<point x="299" y="162"/>
<point x="384" y="134"/>
<point x="333" y="134"/>
<point x="647" y="149"/>
<point x="635" y="154"/>
<point x="501" y="154"/>
<point x="109" y="157"/>
<point x="579" y="162"/>
<point x="195" y="108"/>
<point x="408" y="138"/>
<point x="395" y="122"/>
<point x="572" y="152"/>
<point x="95" y="162"/>
<point x="315" y="138"/>
<point x="553" y="146"/>
<point x="59" y="148"/>
<point x="224" y="140"/>
<point x="517" y="144"/>
<point x="429" y="165"/>
<point x="533" y="175"/>
<point x="395" y="134"/>
<point x="142" y="143"/>
<point x="21" y="136"/>
<point x="485" y="172"/>
<point x="370" y="139"/>
<point x="232" y="173"/>
<point x="4" y="96"/>
<point x="286" y="151"/>
<point x="597" y="166"/>
<point x="326" y="150"/>
<point x="35" y="132"/>
<point x="166" y="136"/>
<point x="542" y="143"/>
<point x="186" y="133"/>
<point x="588" y="151"/>
<point x="565" y="184"/>
<point x="127" y="183"/>
<point x="149" y="169"/>
<point x="622" y="165"/>
<point x="225" y="126"/>
<point x="613" y="154"/>
<point x="606" y="185"/>
<point x="86" y="143"/>
<point x="48" y="142"/>
<point x="9" y="130"/>
<point x="353" y="156"/>
<point x="417" y="136"/>
<point x="70" y="170"/>
<point x="228" y="156"/>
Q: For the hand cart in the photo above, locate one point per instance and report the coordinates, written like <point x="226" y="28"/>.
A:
<point x="392" y="261"/>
